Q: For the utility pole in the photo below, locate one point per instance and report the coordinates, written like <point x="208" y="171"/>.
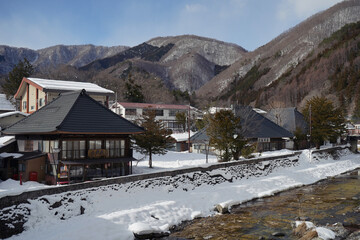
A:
<point x="310" y="134"/>
<point x="188" y="123"/>
<point x="310" y="124"/>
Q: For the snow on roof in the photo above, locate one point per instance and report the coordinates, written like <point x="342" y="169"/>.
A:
<point x="5" y="140"/>
<point x="5" y="104"/>
<point x="260" y="111"/>
<point x="213" y="110"/>
<point x="152" y="105"/>
<point x="2" y="115"/>
<point x="182" y="136"/>
<point x="49" y="84"/>
<point x="14" y="155"/>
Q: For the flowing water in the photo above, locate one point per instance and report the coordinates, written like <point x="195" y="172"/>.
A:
<point x="329" y="201"/>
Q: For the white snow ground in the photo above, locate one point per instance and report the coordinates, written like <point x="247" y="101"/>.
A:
<point x="114" y="212"/>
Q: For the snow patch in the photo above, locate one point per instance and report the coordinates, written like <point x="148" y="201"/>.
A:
<point x="325" y="233"/>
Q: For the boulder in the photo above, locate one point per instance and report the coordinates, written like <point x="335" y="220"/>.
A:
<point x="278" y="234"/>
<point x="221" y="209"/>
<point x="354" y="236"/>
<point x="339" y="230"/>
<point x="151" y="235"/>
<point x="309" y="235"/>
<point x="300" y="230"/>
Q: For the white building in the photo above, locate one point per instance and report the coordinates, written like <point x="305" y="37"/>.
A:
<point x="164" y="112"/>
<point x="34" y="93"/>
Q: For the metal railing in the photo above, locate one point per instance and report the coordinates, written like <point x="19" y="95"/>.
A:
<point x="94" y="153"/>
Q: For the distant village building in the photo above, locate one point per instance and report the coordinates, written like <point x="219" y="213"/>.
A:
<point x="9" y="118"/>
<point x="353" y="132"/>
<point x="73" y="138"/>
<point x="164" y="112"/>
<point x="5" y="104"/>
<point x="35" y="93"/>
<point x="256" y="128"/>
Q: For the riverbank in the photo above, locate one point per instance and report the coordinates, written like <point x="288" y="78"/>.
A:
<point x="331" y="204"/>
<point x="116" y="211"/>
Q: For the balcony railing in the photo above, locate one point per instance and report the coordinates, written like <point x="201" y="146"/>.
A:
<point x="95" y="153"/>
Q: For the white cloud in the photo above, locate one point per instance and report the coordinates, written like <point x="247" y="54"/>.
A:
<point x="195" y="8"/>
<point x="302" y="8"/>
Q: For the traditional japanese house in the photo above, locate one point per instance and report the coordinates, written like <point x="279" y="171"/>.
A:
<point x="82" y="139"/>
<point x="255" y="128"/>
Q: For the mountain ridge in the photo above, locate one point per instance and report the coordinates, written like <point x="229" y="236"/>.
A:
<point x="285" y="51"/>
<point x="54" y="56"/>
<point x="207" y="71"/>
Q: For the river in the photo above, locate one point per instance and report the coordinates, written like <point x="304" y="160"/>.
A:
<point x="329" y="201"/>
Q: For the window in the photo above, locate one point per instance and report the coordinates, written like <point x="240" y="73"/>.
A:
<point x="159" y="112"/>
<point x="76" y="171"/>
<point x="24" y="105"/>
<point x="175" y="126"/>
<point x="21" y="145"/>
<point x="130" y="111"/>
<point x="40" y="145"/>
<point x="95" y="144"/>
<point x="22" y="167"/>
<point x="41" y="102"/>
<point x="172" y="112"/>
<point x="29" y="145"/>
<point x="115" y="148"/>
<point x="49" y="145"/>
<point x="73" y="149"/>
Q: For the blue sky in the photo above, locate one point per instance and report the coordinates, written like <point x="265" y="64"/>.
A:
<point x="38" y="24"/>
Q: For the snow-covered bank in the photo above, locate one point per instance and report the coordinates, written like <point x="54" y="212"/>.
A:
<point x="12" y="187"/>
<point x="111" y="212"/>
<point x="170" y="161"/>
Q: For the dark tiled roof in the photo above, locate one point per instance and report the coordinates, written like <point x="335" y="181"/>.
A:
<point x="200" y="136"/>
<point x="30" y="155"/>
<point x="288" y="118"/>
<point x="73" y="112"/>
<point x="253" y="124"/>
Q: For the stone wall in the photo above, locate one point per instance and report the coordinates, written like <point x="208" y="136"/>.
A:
<point x="194" y="176"/>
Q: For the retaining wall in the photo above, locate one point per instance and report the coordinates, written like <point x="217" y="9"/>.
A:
<point x="237" y="169"/>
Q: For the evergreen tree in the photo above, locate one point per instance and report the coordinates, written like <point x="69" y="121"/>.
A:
<point x="156" y="139"/>
<point x="181" y="118"/>
<point x="224" y="133"/>
<point x="327" y="122"/>
<point x="133" y="92"/>
<point x="14" y="78"/>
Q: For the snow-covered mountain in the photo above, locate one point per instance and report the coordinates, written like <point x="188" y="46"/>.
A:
<point x="211" y="70"/>
<point x="285" y="52"/>
<point x="52" y="57"/>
